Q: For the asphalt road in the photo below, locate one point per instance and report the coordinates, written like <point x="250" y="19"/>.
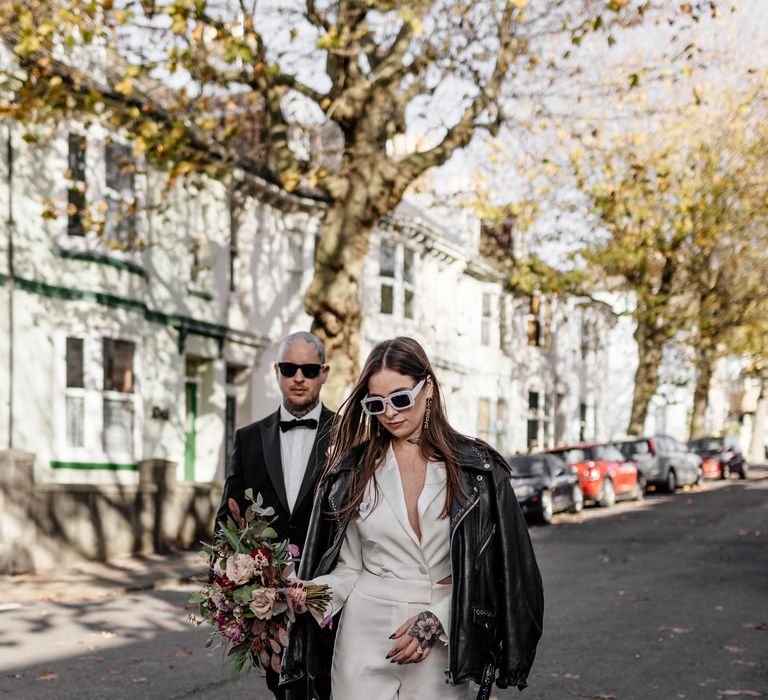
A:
<point x="665" y="599"/>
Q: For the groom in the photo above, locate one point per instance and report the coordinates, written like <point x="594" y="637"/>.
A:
<point x="282" y="456"/>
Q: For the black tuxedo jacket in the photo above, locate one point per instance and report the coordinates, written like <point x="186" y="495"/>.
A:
<point x="255" y="463"/>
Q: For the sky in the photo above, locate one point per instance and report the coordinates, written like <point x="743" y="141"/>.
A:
<point x="733" y="56"/>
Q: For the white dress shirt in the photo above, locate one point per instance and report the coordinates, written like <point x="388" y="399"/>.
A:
<point x="295" y="448"/>
<point x="382" y="541"/>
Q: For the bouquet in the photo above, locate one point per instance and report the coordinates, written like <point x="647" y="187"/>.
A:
<point x="247" y="601"/>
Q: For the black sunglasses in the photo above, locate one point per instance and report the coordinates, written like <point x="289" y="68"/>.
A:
<point x="288" y="369"/>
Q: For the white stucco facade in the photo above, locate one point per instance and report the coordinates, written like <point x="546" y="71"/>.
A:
<point x="159" y="346"/>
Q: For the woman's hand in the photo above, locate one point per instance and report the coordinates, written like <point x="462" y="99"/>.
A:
<point x="416" y="637"/>
<point x="298" y="595"/>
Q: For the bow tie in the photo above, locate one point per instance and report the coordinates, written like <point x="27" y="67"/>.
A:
<point x="310" y="423"/>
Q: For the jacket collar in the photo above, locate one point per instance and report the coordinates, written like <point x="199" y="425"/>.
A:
<point x="391" y="485"/>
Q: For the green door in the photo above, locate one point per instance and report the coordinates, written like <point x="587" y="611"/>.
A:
<point x="191" y="420"/>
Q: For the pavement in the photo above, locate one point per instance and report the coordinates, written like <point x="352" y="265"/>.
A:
<point x="94" y="580"/>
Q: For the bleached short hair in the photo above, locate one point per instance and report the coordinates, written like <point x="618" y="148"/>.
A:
<point x="310" y="338"/>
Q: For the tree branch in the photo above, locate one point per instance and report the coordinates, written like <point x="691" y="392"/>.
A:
<point x="460" y="134"/>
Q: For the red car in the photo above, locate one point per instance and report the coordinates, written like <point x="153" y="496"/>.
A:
<point x="604" y="474"/>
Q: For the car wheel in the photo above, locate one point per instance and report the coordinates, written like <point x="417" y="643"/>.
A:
<point x="743" y="472"/>
<point x="547" y="509"/>
<point x="671" y="484"/>
<point x="577" y="499"/>
<point x="607" y="495"/>
<point x="725" y="472"/>
<point x="699" y="478"/>
<point x="639" y="489"/>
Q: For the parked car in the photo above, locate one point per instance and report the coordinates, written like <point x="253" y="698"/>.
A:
<point x="545" y="485"/>
<point x="663" y="461"/>
<point x="721" y="457"/>
<point x="604" y="474"/>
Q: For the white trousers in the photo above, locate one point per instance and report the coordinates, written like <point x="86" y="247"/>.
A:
<point x="375" y="609"/>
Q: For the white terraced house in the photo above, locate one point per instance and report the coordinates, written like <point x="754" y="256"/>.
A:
<point x="155" y="338"/>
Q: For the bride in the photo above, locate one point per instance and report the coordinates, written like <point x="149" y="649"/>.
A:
<point x="417" y="532"/>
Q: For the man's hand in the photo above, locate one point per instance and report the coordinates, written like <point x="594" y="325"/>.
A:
<point x="416" y="637"/>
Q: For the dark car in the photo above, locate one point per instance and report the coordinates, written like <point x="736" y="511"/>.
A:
<point x="721" y="457"/>
<point x="663" y="461"/>
<point x="545" y="485"/>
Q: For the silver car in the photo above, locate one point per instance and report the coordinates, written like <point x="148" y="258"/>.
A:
<point x="663" y="461"/>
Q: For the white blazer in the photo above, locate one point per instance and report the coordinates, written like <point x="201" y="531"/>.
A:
<point x="381" y="540"/>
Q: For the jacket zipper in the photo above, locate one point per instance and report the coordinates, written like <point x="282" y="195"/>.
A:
<point x="485" y="544"/>
<point x="452" y="645"/>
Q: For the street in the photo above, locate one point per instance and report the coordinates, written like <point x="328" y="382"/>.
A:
<point x="660" y="599"/>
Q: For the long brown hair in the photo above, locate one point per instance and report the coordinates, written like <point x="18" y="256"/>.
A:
<point x="356" y="431"/>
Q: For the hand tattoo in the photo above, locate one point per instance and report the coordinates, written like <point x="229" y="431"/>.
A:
<point x="426" y="628"/>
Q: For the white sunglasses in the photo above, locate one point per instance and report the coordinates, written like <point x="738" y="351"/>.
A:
<point x="399" y="400"/>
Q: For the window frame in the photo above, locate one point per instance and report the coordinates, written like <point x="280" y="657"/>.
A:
<point x="404" y="297"/>
<point x="93" y="396"/>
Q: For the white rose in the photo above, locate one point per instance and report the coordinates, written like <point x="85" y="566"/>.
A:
<point x="240" y="568"/>
<point x="262" y="601"/>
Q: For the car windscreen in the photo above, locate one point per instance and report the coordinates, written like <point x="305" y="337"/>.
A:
<point x="607" y="453"/>
<point x="573" y="455"/>
<point x="706" y="444"/>
<point x="528" y="466"/>
<point x="634" y="448"/>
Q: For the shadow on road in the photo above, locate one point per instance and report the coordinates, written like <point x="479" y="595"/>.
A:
<point x="136" y="646"/>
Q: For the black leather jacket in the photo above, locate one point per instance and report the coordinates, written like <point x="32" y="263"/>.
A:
<point x="498" y="603"/>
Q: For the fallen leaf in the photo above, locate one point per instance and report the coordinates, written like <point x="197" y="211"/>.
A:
<point x="739" y="693"/>
<point x="108" y="635"/>
<point x="93" y="657"/>
<point x="180" y="652"/>
<point x="763" y="627"/>
<point x="46" y="676"/>
<point x="734" y="649"/>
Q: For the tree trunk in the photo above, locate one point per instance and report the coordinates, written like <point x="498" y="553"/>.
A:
<point x="334" y="298"/>
<point x="705" y="363"/>
<point x="757" y="443"/>
<point x="649" y="348"/>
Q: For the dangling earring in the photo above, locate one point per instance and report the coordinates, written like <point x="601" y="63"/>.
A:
<point x="417" y="439"/>
<point x="427" y="415"/>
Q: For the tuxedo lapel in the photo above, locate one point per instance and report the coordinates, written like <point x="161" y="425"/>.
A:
<point x="316" y="457"/>
<point x="270" y="440"/>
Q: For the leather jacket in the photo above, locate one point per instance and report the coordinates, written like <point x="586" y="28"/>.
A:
<point x="497" y="603"/>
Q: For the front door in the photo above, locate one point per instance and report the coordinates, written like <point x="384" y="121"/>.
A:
<point x="190" y="430"/>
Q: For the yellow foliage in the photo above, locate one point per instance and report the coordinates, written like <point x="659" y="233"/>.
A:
<point x="125" y="86"/>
